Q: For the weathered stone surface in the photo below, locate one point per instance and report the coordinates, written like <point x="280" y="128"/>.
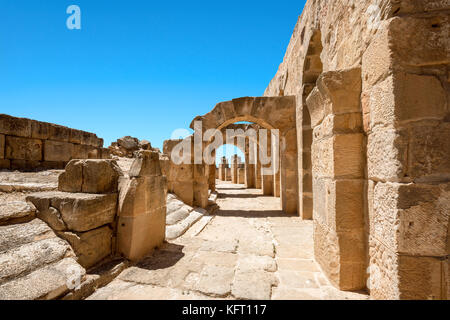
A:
<point x="145" y="164"/>
<point x="100" y="176"/>
<point x="23" y="148"/>
<point x="90" y="247"/>
<point x="90" y="176"/>
<point x="19" y="127"/>
<point x="215" y="280"/>
<point x="142" y="208"/>
<point x="253" y="285"/>
<point x="2" y="146"/>
<point x="71" y="180"/>
<point x="46" y="283"/>
<point x="412" y="219"/>
<point x="16" y="212"/>
<point x="14" y="236"/>
<point x="80" y="212"/>
<point x="31" y="256"/>
<point x="57" y="151"/>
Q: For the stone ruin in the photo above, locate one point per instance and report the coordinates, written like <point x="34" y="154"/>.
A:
<point x="361" y="103"/>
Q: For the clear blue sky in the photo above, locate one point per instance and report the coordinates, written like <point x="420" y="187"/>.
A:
<point x="139" y="68"/>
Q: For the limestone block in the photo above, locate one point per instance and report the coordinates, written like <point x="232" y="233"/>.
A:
<point x="80" y="212"/>
<point x="403" y="97"/>
<point x="420" y="41"/>
<point x="76" y="136"/>
<point x="339" y="156"/>
<point x="341" y="256"/>
<point x="71" y="180"/>
<point x="40" y="130"/>
<point x="413" y="6"/>
<point x="145" y="164"/>
<point x="335" y="124"/>
<point x="16" y="235"/>
<point x="2" y="146"/>
<point x="387" y="152"/>
<point x="185" y="191"/>
<point x="343" y="90"/>
<point x="413" y="219"/>
<point x="59" y="133"/>
<point x="23" y="149"/>
<point x="90" y="247"/>
<point x="57" y="151"/>
<point x="47" y="283"/>
<point x="429" y="149"/>
<point x="138" y="236"/>
<point x="31" y="256"/>
<point x="316" y="102"/>
<point x="100" y="176"/>
<point x="141" y="195"/>
<point x="5" y="163"/>
<point x="18" y="127"/>
<point x="16" y="211"/>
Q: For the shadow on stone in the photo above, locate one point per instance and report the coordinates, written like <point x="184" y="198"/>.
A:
<point x="251" y="213"/>
<point x="162" y="258"/>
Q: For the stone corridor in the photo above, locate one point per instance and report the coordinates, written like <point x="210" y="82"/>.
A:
<point x="249" y="249"/>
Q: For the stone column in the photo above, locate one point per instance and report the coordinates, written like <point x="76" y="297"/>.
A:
<point x="258" y="180"/>
<point x="289" y="172"/>
<point x="266" y="176"/>
<point x="222" y="169"/>
<point x="338" y="168"/>
<point x="234" y="168"/>
<point x="276" y="176"/>
<point x="405" y="103"/>
<point x="249" y="167"/>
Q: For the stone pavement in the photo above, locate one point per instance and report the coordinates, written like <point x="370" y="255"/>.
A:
<point x="250" y="249"/>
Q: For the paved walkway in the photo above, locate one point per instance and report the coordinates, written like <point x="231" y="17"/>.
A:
<point x="249" y="250"/>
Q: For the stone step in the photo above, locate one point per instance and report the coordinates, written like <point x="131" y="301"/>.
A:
<point x="16" y="212"/>
<point x="49" y="282"/>
<point x="16" y="235"/>
<point x="177" y="216"/>
<point x="178" y="229"/>
<point x="29" y="257"/>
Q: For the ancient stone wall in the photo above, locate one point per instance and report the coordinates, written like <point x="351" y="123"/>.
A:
<point x="399" y="123"/>
<point x="29" y="144"/>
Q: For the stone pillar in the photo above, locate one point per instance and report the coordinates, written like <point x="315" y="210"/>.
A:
<point x="276" y="176"/>
<point x="241" y="175"/>
<point x="289" y="172"/>
<point x="223" y="169"/>
<point x="234" y="168"/>
<point x="228" y="174"/>
<point x="338" y="168"/>
<point x="258" y="180"/>
<point x="304" y="134"/>
<point x="249" y="167"/>
<point x="266" y="176"/>
<point x="181" y="177"/>
<point x="405" y="104"/>
<point x="141" y="223"/>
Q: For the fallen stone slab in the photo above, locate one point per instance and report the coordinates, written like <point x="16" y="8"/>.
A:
<point x="46" y="283"/>
<point x="16" y="212"/>
<point x="80" y="212"/>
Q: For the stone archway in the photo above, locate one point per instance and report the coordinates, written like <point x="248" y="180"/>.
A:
<point x="269" y="113"/>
